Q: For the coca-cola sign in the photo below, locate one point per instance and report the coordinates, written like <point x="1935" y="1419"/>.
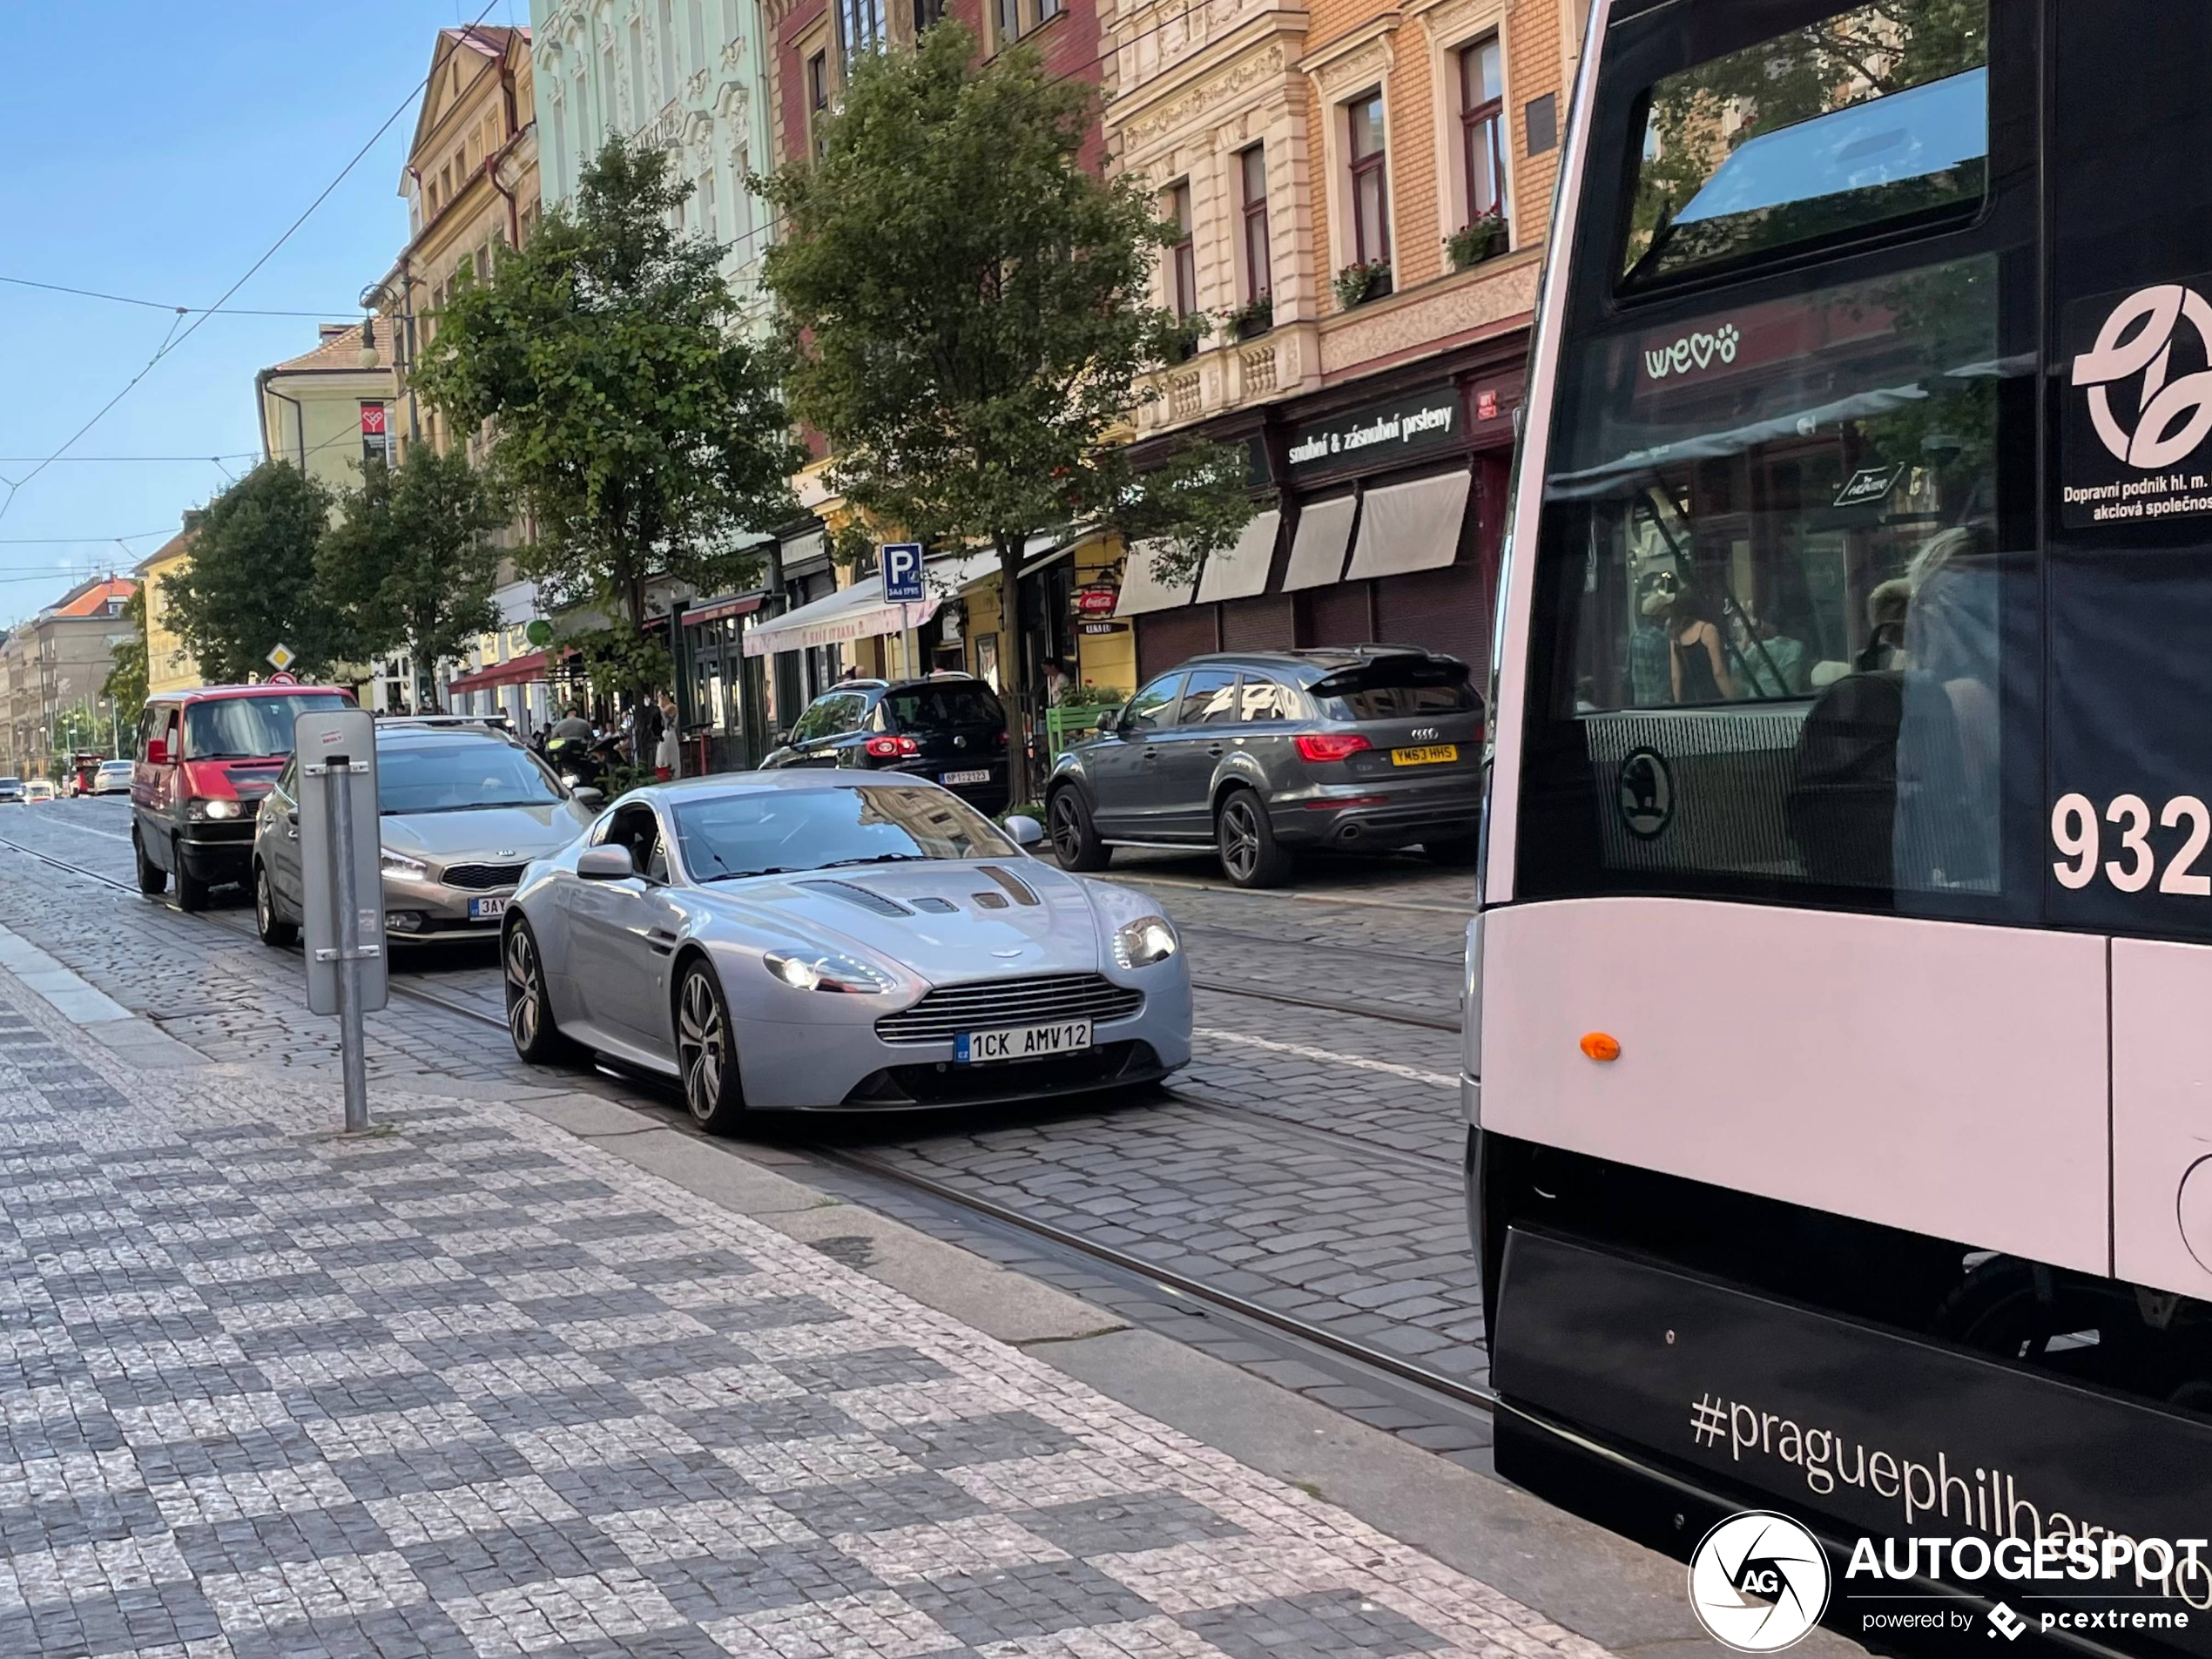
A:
<point x="1098" y="598"/>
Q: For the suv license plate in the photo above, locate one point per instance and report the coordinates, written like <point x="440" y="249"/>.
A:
<point x="983" y="776"/>
<point x="1426" y="755"/>
<point x="484" y="909"/>
<point x="1021" y="1042"/>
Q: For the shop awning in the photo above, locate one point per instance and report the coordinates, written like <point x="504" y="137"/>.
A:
<point x="1142" y="588"/>
<point x="1317" y="555"/>
<point x="717" y="609"/>
<point x="515" y="670"/>
<point x="858" y="611"/>
<point x="1411" y="527"/>
<point x="1240" y="570"/>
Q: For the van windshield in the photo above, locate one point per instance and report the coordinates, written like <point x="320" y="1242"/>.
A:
<point x="249" y="728"/>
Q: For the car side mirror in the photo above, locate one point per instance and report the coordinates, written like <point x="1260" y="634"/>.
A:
<point x="157" y="752"/>
<point x="1025" y="830"/>
<point x="783" y="737"/>
<point x="607" y="863"/>
<point x="587" y="796"/>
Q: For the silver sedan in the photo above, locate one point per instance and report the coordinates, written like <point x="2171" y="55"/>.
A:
<point x="817" y="940"/>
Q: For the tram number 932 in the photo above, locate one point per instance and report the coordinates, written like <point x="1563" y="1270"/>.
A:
<point x="2076" y="831"/>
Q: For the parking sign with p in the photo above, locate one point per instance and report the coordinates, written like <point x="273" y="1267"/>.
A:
<point x="902" y="582"/>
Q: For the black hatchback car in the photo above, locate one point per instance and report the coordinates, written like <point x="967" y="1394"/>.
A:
<point x="1259" y="753"/>
<point x="949" y="728"/>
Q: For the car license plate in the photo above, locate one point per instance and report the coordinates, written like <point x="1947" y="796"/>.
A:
<point x="484" y="909"/>
<point x="981" y="775"/>
<point x="1428" y="754"/>
<point x="1021" y="1042"/>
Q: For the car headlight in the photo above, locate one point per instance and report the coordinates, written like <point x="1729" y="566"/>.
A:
<point x="808" y="970"/>
<point x="398" y="863"/>
<point x="1142" y="942"/>
<point x="203" y="809"/>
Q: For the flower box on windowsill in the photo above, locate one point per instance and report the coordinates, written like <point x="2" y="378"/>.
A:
<point x="1190" y="336"/>
<point x="1252" y="318"/>
<point x="1359" y="282"/>
<point x="1479" y="240"/>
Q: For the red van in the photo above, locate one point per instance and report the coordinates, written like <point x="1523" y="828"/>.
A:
<point x="206" y="758"/>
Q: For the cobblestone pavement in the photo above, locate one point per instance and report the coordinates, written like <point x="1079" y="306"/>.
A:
<point x="1325" y="1189"/>
<point x="471" y="1386"/>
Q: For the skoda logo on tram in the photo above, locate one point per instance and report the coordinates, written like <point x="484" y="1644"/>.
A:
<point x="2137" y="338"/>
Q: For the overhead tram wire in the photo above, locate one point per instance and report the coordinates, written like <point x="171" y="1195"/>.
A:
<point x="175" y="339"/>
<point x="150" y="305"/>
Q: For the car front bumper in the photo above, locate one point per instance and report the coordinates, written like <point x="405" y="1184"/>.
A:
<point x="218" y="851"/>
<point x="440" y="913"/>
<point x="847" y="1067"/>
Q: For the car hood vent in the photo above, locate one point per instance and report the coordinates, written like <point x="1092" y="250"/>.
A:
<point x="936" y="906"/>
<point x="1016" y="889"/>
<point x="858" y="895"/>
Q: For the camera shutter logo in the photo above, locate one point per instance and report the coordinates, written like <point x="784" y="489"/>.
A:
<point x="2137" y="337"/>
<point x="1758" y="1582"/>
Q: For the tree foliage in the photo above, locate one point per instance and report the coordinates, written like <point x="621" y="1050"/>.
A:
<point x="250" y="584"/>
<point x="634" y="423"/>
<point x="409" y="564"/>
<point x="125" y="684"/>
<point x="965" y="312"/>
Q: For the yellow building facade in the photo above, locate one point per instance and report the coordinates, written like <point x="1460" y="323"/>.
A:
<point x="170" y="665"/>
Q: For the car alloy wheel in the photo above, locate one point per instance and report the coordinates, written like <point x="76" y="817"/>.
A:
<point x="529" y="1012"/>
<point x="1075" y="835"/>
<point x="704" y="1054"/>
<point x="273" y="929"/>
<point x="1251" y="856"/>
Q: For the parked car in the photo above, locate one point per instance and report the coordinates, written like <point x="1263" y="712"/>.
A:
<point x="10" y="791"/>
<point x="949" y="728"/>
<point x="113" y="778"/>
<point x="1260" y="753"/>
<point x="463" y="810"/>
<point x="38" y="790"/>
<point x="827" y="938"/>
<point x="206" y="757"/>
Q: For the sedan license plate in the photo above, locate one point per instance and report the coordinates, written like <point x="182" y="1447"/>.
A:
<point x="1428" y="754"/>
<point x="485" y="909"/>
<point x="1021" y="1042"/>
<point x="981" y="775"/>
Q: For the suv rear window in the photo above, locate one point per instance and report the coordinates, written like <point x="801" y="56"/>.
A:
<point x="249" y="728"/>
<point x="1395" y="687"/>
<point x="933" y="708"/>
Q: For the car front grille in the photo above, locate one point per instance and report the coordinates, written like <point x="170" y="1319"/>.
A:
<point x="481" y="877"/>
<point x="985" y="1005"/>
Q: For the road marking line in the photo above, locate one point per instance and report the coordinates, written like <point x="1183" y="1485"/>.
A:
<point x="86" y="829"/>
<point x="1412" y="1073"/>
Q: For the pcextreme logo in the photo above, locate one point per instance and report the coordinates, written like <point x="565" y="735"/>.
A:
<point x="1759" y="1582"/>
<point x="2137" y="338"/>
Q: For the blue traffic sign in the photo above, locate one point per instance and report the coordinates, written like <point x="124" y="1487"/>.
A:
<point x="902" y="582"/>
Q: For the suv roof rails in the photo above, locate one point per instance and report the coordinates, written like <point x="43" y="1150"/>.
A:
<point x="495" y="722"/>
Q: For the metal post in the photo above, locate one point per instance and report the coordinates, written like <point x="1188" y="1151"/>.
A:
<point x="338" y="780"/>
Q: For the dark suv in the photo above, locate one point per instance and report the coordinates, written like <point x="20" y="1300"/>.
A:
<point x="949" y="728"/>
<point x="1261" y="752"/>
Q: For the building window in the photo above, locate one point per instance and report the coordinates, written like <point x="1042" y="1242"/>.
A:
<point x="859" y="26"/>
<point x="582" y="129"/>
<point x="697" y="19"/>
<point x="1482" y="152"/>
<point x="1182" y="252"/>
<point x="1370" y="188"/>
<point x="818" y="102"/>
<point x="560" y="142"/>
<point x="1252" y="174"/>
<point x="1009" y="12"/>
<point x="638" y="111"/>
<point x="708" y="220"/>
<point x="667" y="43"/>
<point x="928" y="14"/>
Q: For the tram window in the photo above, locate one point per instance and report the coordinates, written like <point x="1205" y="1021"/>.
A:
<point x="1876" y="114"/>
<point x="1778" y="579"/>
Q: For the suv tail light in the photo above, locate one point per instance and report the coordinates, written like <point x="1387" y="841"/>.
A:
<point x="892" y="748"/>
<point x="1330" y="745"/>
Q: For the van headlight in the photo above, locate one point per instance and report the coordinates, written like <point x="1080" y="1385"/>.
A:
<point x="812" y="970"/>
<point x="400" y="865"/>
<point x="1144" y="941"/>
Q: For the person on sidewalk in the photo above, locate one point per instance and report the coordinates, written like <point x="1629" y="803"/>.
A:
<point x="667" y="753"/>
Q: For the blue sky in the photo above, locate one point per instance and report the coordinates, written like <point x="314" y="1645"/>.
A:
<point x="159" y="149"/>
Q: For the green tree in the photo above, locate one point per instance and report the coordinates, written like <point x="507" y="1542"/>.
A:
<point x="125" y="684"/>
<point x="252" y="585"/>
<point x="410" y="564"/>
<point x="964" y="311"/>
<point x="632" y="419"/>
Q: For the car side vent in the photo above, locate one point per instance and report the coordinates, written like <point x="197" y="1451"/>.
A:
<point x="1016" y="888"/>
<point x="936" y="906"/>
<point x="861" y="896"/>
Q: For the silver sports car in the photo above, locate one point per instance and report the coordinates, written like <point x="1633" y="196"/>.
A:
<point x="823" y="939"/>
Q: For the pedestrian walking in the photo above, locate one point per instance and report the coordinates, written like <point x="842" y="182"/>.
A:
<point x="667" y="757"/>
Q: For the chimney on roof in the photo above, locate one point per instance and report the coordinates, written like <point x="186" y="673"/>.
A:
<point x="192" y="516"/>
<point x="330" y="331"/>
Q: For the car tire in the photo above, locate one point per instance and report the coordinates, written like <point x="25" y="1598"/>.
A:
<point x="1454" y="852"/>
<point x="706" y="1054"/>
<point x="274" y="930"/>
<point x="530" y="1009"/>
<point x="152" y="879"/>
<point x="1074" y="832"/>
<point x="191" y="892"/>
<point x="1251" y="856"/>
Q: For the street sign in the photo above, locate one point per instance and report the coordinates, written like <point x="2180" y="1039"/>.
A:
<point x="342" y="889"/>
<point x="902" y="578"/>
<point x="282" y="678"/>
<point x="283" y="657"/>
<point x="539" y="632"/>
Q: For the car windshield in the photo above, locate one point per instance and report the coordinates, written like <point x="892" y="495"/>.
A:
<point x="249" y="728"/>
<point x="936" y="708"/>
<point x="459" y="778"/>
<point x="778" y="832"/>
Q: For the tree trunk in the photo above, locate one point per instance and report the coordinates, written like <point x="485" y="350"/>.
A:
<point x="1013" y="670"/>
